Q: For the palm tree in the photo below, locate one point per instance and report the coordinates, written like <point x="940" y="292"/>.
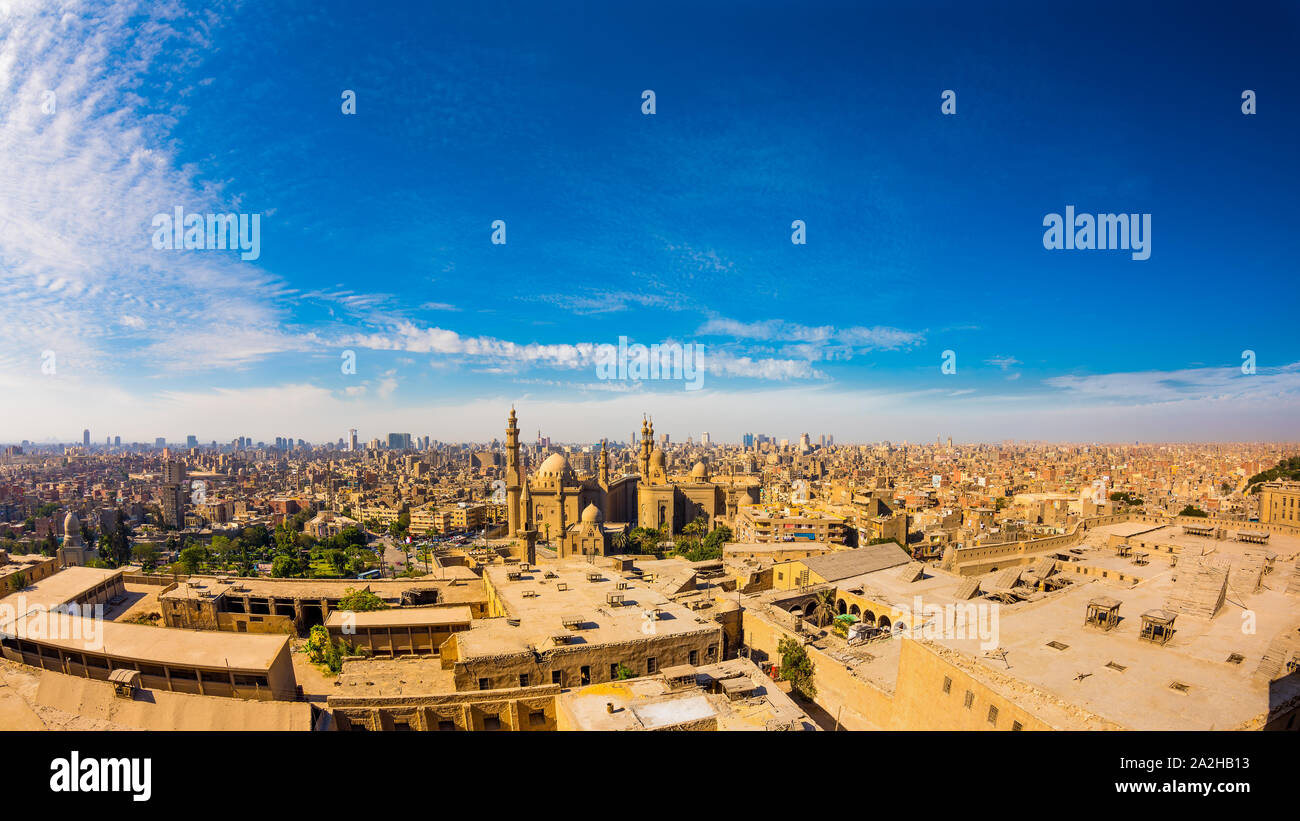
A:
<point x="823" y="607"/>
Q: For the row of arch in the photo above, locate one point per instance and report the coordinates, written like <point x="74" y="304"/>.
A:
<point x="867" y="617"/>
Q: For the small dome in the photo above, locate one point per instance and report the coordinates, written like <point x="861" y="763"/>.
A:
<point x="700" y="472"/>
<point x="592" y="514"/>
<point x="657" y="459"/>
<point x="71" y="524"/>
<point x="555" y="465"/>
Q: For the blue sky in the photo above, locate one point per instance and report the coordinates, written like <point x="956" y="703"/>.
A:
<point x="924" y="230"/>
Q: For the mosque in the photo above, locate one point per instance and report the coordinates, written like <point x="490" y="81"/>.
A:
<point x="74" y="551"/>
<point x="581" y="515"/>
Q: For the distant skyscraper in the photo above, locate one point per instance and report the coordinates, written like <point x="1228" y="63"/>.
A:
<point x="747" y="440"/>
<point x="85" y="437"/>
<point x="399" y="441"/>
<point x="171" y="494"/>
<point x="191" y="441"/>
<point x="160" y="442"/>
<point x="704" y="438"/>
<point x="352" y="438"/>
<point x="117" y="441"/>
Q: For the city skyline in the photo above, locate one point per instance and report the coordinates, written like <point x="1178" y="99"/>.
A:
<point x="924" y="230"/>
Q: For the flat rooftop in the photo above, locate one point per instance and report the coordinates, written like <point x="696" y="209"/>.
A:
<point x="733" y="548"/>
<point x="650" y="703"/>
<point x="393" y="678"/>
<point x="22" y="561"/>
<point x="150" y="645"/>
<point x="63" y="587"/>
<point x="541" y="608"/>
<point x="1283" y="544"/>
<point x="1116" y="675"/>
<point x="454" y="584"/>
<point x="402" y="617"/>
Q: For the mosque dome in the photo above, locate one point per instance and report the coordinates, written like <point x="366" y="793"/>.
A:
<point x="657" y="459"/>
<point x="71" y="529"/>
<point x="591" y="514"/>
<point x="700" y="472"/>
<point x="555" y="465"/>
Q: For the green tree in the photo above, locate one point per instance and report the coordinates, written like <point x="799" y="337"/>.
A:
<point x="695" y="550"/>
<point x="352" y="535"/>
<point x="719" y="536"/>
<point x="256" y="537"/>
<point x="1192" y="510"/>
<point x="288" y="565"/>
<point x="696" y="527"/>
<point x="619" y="542"/>
<point x="193" y="557"/>
<point x="146" y="555"/>
<point x="119" y="541"/>
<point x="337" y="559"/>
<point x="796" y="667"/>
<point x="361" y="601"/>
<point x="823" y="607"/>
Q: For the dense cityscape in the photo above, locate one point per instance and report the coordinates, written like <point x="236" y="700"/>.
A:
<point x="771" y="583"/>
<point x="904" y="376"/>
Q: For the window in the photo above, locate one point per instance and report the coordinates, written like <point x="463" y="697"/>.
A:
<point x="537" y="718"/>
<point x="446" y="726"/>
<point x="491" y="723"/>
<point x="1236" y="658"/>
<point x="555" y="677"/>
<point x="970" y="699"/>
<point x="712" y="652"/>
<point x="1016" y="726"/>
<point x="993" y="715"/>
<point x="484" y="684"/>
<point x="523" y="679"/>
<point x="613" y="672"/>
<point x="947" y="685"/>
<point x="650" y="666"/>
<point x="401" y="725"/>
<point x="694" y="657"/>
<point x="584" y="674"/>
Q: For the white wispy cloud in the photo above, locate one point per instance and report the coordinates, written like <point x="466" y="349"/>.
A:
<point x="506" y="355"/>
<point x="811" y="343"/>
<point x="1189" y="384"/>
<point x="84" y="172"/>
<point x="1003" y="362"/>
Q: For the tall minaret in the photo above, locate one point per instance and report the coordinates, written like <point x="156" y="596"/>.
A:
<point x="644" y="456"/>
<point x="513" y="476"/>
<point x="603" y="475"/>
